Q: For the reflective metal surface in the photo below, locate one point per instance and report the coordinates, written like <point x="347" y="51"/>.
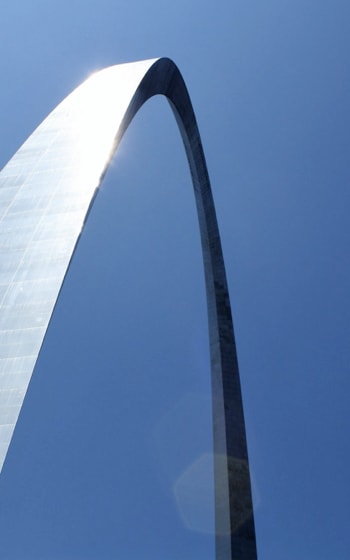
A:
<point x="45" y="193"/>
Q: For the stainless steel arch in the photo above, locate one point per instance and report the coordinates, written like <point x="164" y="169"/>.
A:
<point x="45" y="193"/>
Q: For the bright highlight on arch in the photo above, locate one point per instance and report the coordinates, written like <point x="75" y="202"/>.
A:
<point x="46" y="190"/>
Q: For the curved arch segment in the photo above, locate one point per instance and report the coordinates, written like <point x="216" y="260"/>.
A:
<point x="46" y="191"/>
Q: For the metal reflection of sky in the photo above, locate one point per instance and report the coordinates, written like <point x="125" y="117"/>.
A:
<point x="51" y="180"/>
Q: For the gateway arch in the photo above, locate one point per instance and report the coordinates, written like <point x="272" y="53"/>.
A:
<point x="46" y="191"/>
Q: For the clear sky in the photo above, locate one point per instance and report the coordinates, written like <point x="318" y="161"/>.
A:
<point x="111" y="456"/>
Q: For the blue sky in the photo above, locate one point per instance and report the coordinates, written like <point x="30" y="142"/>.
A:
<point x="116" y="427"/>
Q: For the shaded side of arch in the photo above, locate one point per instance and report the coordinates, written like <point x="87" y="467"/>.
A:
<point x="46" y="191"/>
